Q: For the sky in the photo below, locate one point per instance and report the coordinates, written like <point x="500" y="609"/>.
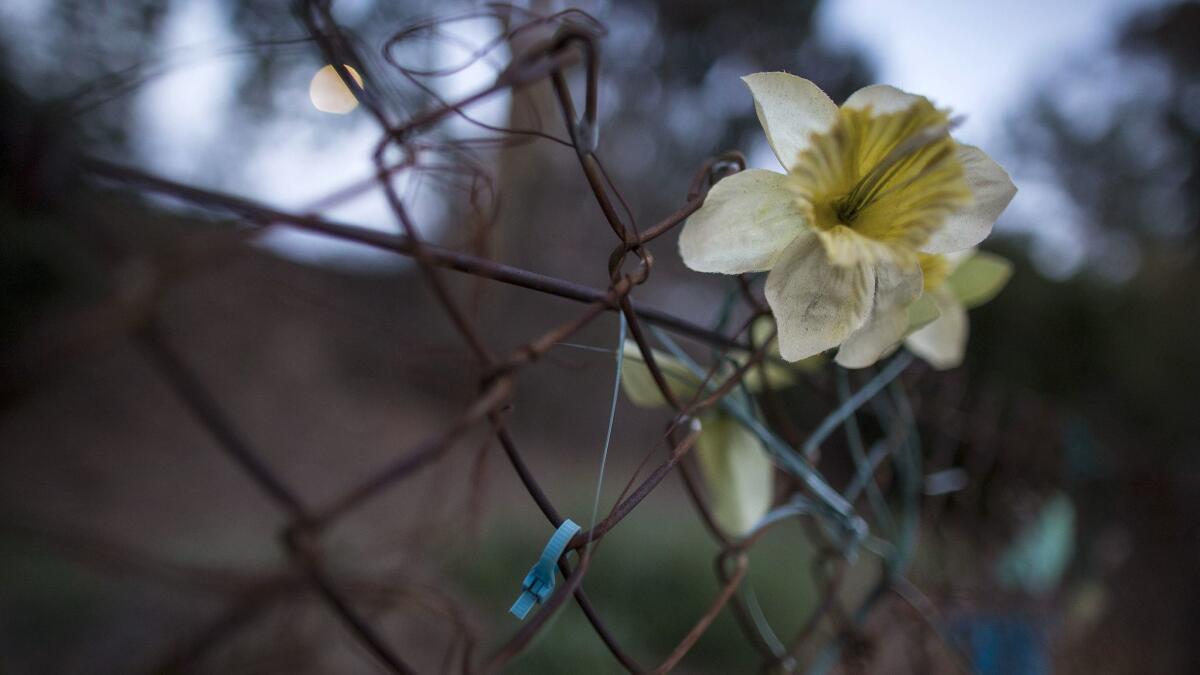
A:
<point x="300" y="155"/>
<point x="982" y="59"/>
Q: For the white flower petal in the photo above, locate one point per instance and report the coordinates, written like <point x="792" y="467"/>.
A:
<point x="991" y="189"/>
<point x="881" y="99"/>
<point x="746" y="222"/>
<point x="896" y="287"/>
<point x="790" y="109"/>
<point x="944" y="341"/>
<point x="817" y="305"/>
<point x="738" y="472"/>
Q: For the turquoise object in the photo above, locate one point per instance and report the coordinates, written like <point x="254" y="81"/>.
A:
<point x="539" y="583"/>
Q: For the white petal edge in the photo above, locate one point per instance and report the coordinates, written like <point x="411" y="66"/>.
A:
<point x="896" y="287"/>
<point x="882" y="99"/>
<point x="746" y="222"/>
<point x="817" y="305"/>
<point x="790" y="109"/>
<point x="991" y="190"/>
<point x="943" y="342"/>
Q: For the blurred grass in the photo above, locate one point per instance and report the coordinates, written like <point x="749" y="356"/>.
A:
<point x="651" y="579"/>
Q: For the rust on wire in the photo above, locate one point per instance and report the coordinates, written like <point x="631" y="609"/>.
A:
<point x="566" y="40"/>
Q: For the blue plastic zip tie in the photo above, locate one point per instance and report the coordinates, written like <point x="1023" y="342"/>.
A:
<point x="539" y="583"/>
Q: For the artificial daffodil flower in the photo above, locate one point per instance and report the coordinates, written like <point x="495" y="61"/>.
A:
<point x="737" y="470"/>
<point x="870" y="186"/>
<point x="954" y="283"/>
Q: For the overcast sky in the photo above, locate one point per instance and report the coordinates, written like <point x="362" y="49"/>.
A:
<point x="982" y="59"/>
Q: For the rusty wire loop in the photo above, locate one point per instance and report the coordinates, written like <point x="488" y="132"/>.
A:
<point x="573" y="43"/>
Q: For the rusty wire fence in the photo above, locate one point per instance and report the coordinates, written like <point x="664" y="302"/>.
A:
<point x="877" y="512"/>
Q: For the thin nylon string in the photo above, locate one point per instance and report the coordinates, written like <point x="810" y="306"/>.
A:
<point x="587" y="348"/>
<point x="612" y="415"/>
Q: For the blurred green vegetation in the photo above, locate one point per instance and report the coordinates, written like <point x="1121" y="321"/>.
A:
<point x="650" y="580"/>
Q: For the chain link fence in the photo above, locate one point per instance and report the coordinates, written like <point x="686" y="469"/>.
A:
<point x="876" y="512"/>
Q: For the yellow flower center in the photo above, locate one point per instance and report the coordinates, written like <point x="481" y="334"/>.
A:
<point x="891" y="179"/>
<point x="935" y="269"/>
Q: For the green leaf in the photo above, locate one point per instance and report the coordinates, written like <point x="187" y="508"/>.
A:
<point x="922" y="313"/>
<point x="1037" y="559"/>
<point x="780" y="375"/>
<point x="737" y="470"/>
<point x="639" y="384"/>
<point x="979" y="278"/>
<point x="760" y="329"/>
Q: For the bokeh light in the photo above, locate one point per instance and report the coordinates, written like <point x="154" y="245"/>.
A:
<point x="329" y="94"/>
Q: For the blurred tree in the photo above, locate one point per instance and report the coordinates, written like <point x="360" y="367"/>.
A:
<point x="1129" y="160"/>
<point x="671" y="96"/>
<point x="1115" y="345"/>
<point x="1128" y="157"/>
